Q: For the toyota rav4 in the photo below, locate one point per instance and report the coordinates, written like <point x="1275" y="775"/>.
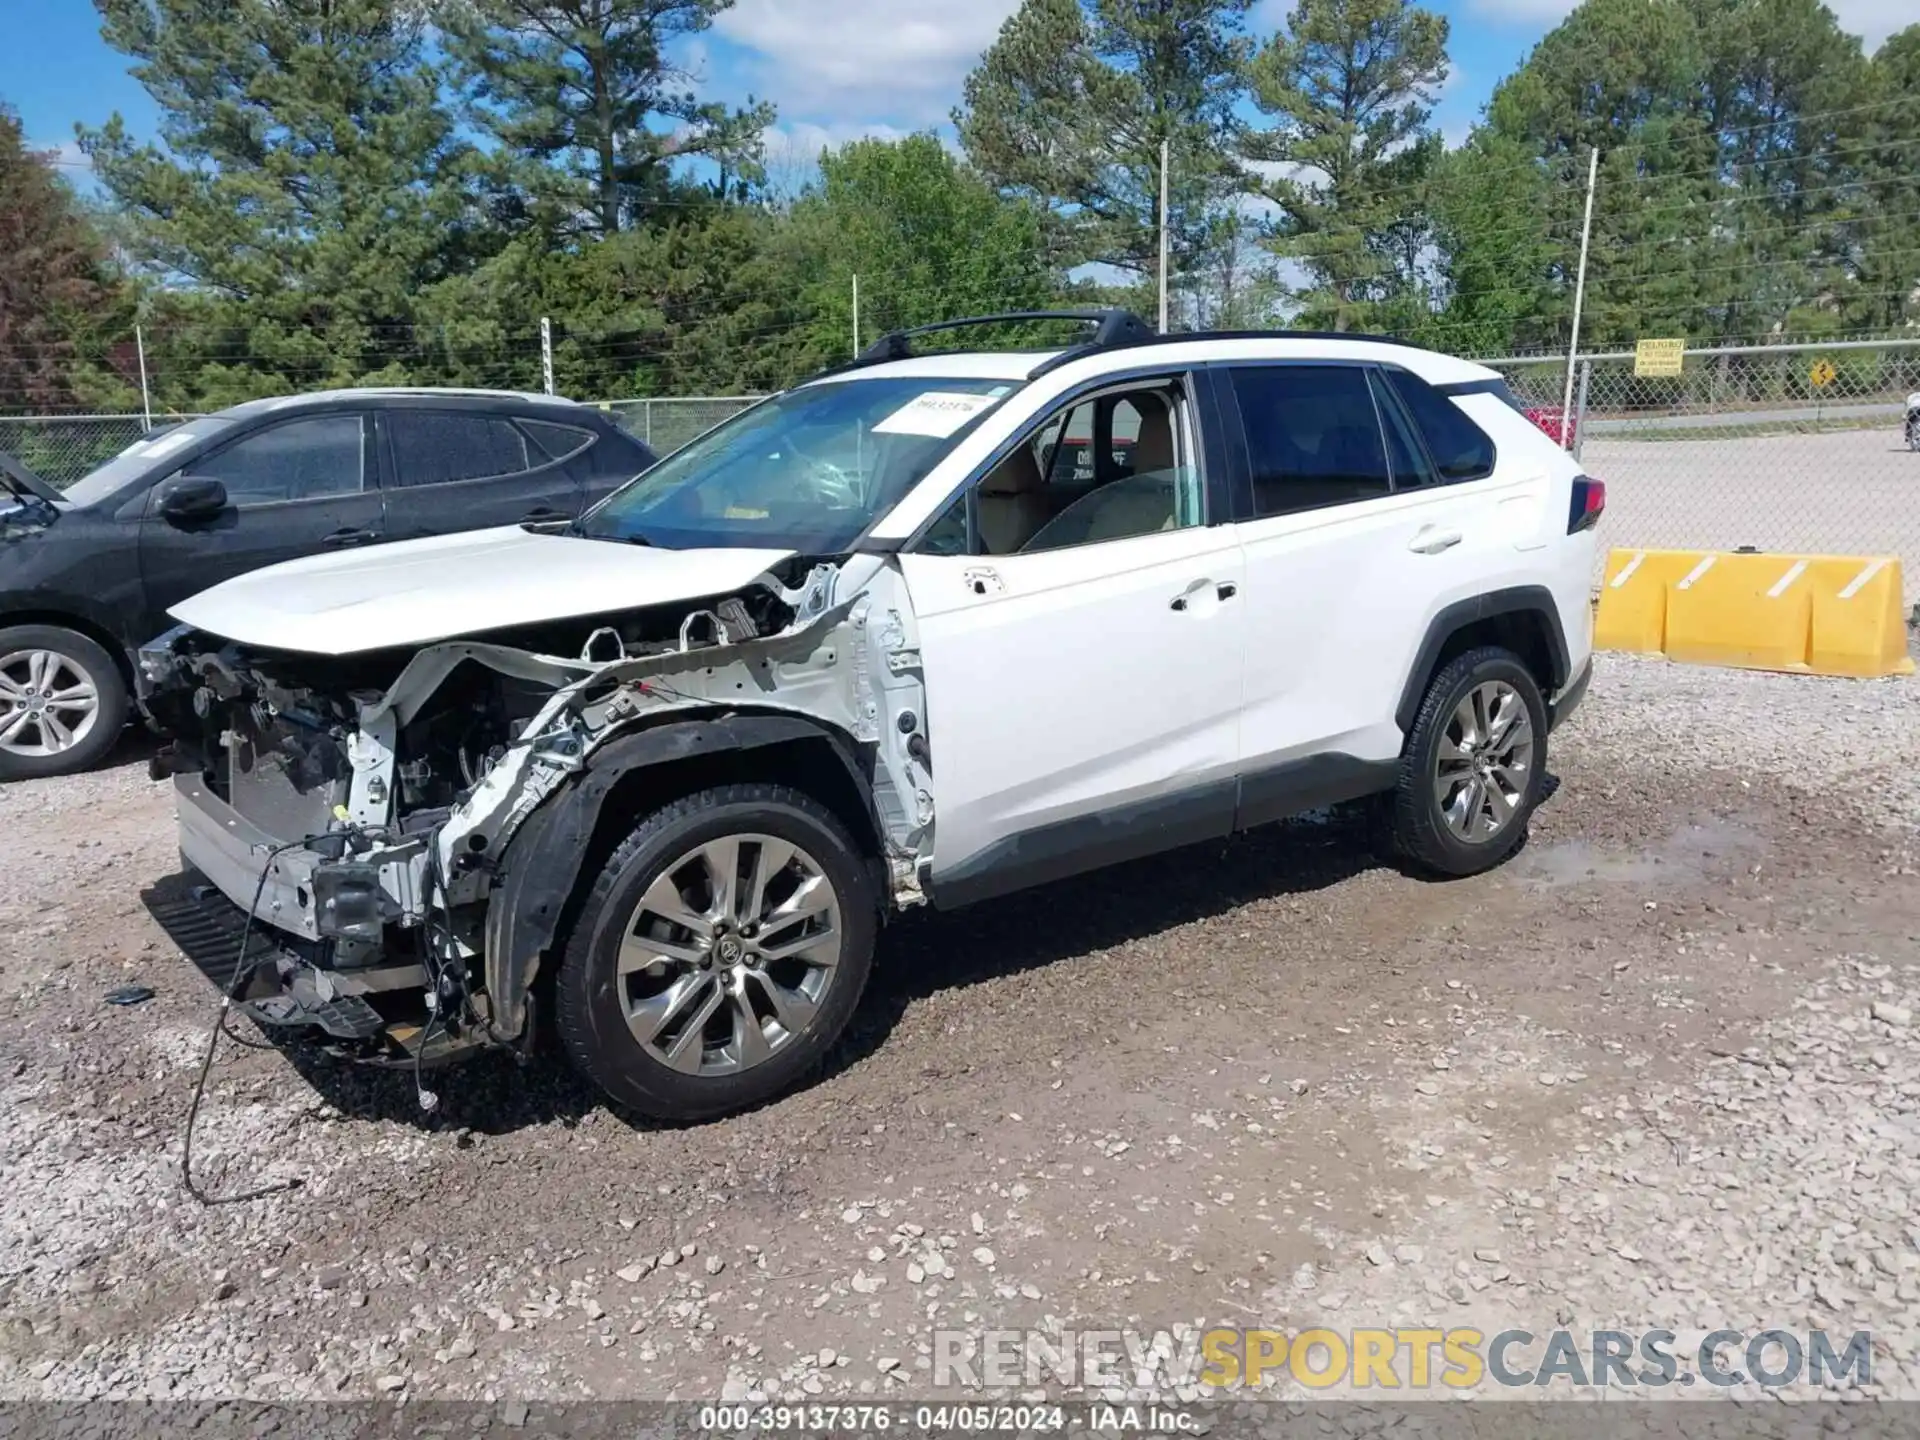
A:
<point x="929" y="628"/>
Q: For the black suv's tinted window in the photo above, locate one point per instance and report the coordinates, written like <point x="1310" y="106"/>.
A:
<point x="560" y="442"/>
<point x="294" y="460"/>
<point x="1313" y="437"/>
<point x="1460" y="448"/>
<point x="433" y="447"/>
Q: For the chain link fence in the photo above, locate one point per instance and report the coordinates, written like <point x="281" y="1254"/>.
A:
<point x="62" y="448"/>
<point x="667" y="424"/>
<point x="1780" y="447"/>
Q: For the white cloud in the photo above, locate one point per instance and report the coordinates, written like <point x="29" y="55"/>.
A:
<point x="802" y="140"/>
<point x="875" y="57"/>
<point x="65" y="154"/>
<point x="1872" y="20"/>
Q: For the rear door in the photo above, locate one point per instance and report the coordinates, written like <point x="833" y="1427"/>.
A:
<point x="295" y="487"/>
<point x="454" y="470"/>
<point x="1349" y="547"/>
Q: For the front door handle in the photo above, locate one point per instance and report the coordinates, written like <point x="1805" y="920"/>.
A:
<point x="342" y="539"/>
<point x="1429" y="541"/>
<point x="1225" y="590"/>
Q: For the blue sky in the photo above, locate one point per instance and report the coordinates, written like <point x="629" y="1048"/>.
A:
<point x="837" y="69"/>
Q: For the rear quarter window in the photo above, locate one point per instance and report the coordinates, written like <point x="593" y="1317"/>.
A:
<point x="1461" y="450"/>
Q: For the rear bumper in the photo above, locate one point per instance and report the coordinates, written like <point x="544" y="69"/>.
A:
<point x="1570" y="696"/>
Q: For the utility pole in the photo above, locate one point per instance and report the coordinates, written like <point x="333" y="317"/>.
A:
<point x="146" y="402"/>
<point x="856" y="317"/>
<point x="1579" y="297"/>
<point x="546" y="353"/>
<point x="1166" y="153"/>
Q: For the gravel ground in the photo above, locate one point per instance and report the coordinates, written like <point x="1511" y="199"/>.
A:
<point x="1659" y="1070"/>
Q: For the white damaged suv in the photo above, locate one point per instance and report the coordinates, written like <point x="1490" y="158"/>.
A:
<point x="929" y="628"/>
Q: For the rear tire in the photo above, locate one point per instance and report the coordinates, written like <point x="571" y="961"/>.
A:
<point x="63" y="702"/>
<point x="1471" y="770"/>
<point x="720" y="953"/>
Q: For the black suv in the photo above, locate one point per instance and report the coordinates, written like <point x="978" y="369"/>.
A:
<point x="87" y="576"/>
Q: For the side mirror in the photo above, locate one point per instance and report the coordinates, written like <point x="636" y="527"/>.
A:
<point x="192" y="498"/>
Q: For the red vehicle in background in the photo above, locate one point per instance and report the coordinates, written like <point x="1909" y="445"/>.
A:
<point x="1554" y="422"/>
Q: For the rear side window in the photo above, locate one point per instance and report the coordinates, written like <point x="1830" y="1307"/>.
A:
<point x="556" y="442"/>
<point x="1460" y="448"/>
<point x="1312" y="435"/>
<point x="1411" y="467"/>
<point x="433" y="448"/>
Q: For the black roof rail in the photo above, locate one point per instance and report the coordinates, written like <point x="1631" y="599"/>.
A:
<point x="1154" y="337"/>
<point x="1112" y="328"/>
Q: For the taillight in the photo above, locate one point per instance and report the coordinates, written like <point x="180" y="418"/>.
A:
<point x="1589" y="499"/>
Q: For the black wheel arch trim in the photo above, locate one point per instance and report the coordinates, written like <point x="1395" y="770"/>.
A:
<point x="1516" y="600"/>
<point x="540" y="869"/>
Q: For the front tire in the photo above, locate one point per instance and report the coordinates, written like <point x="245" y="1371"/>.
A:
<point x="1472" y="767"/>
<point x="63" y="702"/>
<point x="720" y="953"/>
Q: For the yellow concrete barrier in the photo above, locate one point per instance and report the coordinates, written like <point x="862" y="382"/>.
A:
<point x="1633" y="598"/>
<point x="1821" y="614"/>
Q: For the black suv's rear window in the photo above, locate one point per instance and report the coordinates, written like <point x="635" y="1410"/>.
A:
<point x="1460" y="448"/>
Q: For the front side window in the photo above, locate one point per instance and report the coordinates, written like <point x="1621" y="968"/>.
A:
<point x="436" y="447"/>
<point x="1122" y="466"/>
<point x="1460" y="448"/>
<point x="808" y="470"/>
<point x="1313" y="437"/>
<point x="294" y="460"/>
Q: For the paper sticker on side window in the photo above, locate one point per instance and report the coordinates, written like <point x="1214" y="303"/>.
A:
<point x="937" y="413"/>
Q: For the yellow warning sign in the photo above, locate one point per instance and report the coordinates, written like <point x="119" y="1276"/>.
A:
<point x="1822" y="374"/>
<point x="1659" y="358"/>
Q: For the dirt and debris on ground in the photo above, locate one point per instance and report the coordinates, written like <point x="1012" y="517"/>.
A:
<point x="1661" y="1070"/>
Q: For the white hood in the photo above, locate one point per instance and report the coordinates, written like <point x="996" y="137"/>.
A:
<point x="414" y="592"/>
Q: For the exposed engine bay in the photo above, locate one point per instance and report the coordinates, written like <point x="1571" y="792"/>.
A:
<point x="406" y="825"/>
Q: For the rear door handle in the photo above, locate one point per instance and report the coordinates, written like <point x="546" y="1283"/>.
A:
<point x="1429" y="541"/>
<point x="342" y="539"/>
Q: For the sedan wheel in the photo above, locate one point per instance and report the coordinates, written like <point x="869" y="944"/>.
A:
<point x="1484" y="762"/>
<point x="729" y="954"/>
<point x="49" y="704"/>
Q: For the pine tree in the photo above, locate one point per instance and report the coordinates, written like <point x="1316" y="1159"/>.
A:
<point x="1350" y="84"/>
<point x="313" y="184"/>
<point x="1070" y="105"/>
<point x="590" y="112"/>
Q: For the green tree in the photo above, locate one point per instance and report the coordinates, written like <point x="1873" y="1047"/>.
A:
<point x="1070" y="105"/>
<point x="1726" y="189"/>
<point x="61" y="305"/>
<point x="591" y="113"/>
<point x="312" y="184"/>
<point x="929" y="239"/>
<point x="1883" y="138"/>
<point x="1350" y="85"/>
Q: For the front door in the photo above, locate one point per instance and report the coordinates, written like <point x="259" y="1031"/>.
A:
<point x="301" y="486"/>
<point x="1082" y="661"/>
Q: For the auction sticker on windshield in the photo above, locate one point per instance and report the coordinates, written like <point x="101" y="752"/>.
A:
<point x="937" y="413"/>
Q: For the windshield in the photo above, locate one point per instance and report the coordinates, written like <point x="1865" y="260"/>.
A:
<point x="137" y="458"/>
<point x="808" y="470"/>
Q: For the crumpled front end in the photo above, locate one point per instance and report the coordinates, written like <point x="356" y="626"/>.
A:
<point x="372" y="811"/>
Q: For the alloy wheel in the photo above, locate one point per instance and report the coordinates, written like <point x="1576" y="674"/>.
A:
<point x="1484" y="762"/>
<point x="726" y="958"/>
<point x="48" y="703"/>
